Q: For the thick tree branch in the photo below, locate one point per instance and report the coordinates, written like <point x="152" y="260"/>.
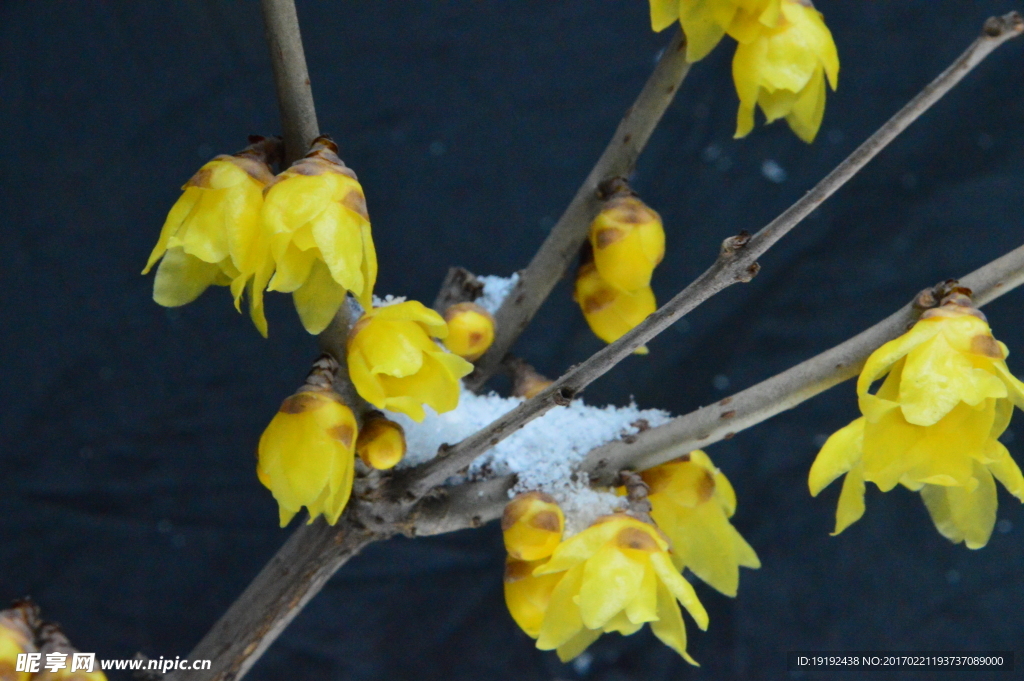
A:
<point x="760" y="402"/>
<point x="563" y="242"/>
<point x="737" y="262"/>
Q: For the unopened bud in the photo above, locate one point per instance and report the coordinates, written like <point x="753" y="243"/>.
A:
<point x="628" y="241"/>
<point x="470" y="330"/>
<point x="533" y="525"/>
<point x="381" y="442"/>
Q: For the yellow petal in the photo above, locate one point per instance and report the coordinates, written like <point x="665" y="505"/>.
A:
<point x="580" y="547"/>
<point x="526" y="596"/>
<point x="367" y="384"/>
<point x="391" y="348"/>
<point x="179" y="211"/>
<point x="851" y="499"/>
<point x="669" y="627"/>
<point x="841" y="452"/>
<point x="882" y="359"/>
<point x="414" y="311"/>
<point x="962" y="515"/>
<point x="679" y="587"/>
<point x="704" y="24"/>
<point x="577" y="644"/>
<point x="936" y="378"/>
<point x="644" y="607"/>
<point x="432" y="385"/>
<point x="1005" y="469"/>
<point x="181" y="278"/>
<point x="293" y="268"/>
<point x="663" y="14"/>
<point x="318" y="300"/>
<point x="610" y="581"/>
<point x="562" y="619"/>
<point x="339" y="235"/>
<point x="808" y="109"/>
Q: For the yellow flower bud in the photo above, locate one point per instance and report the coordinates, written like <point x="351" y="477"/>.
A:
<point x="16" y="638"/>
<point x="470" y="330"/>
<point x="526" y="596"/>
<point x="691" y="502"/>
<point x="306" y="455"/>
<point x="932" y="426"/>
<point x="609" y="312"/>
<point x="213" y="234"/>
<point x="532" y="524"/>
<point x="783" y="68"/>
<point x="615" y="576"/>
<point x="628" y="241"/>
<point x="381" y="441"/>
<point x="394" y="364"/>
<point x="319" y="230"/>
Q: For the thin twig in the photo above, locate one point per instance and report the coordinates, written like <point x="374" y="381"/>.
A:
<point x="291" y="78"/>
<point x="736" y="263"/>
<point x="563" y="242"/>
<point x="784" y="391"/>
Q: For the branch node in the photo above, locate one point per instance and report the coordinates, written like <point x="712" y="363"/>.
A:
<point x="996" y="27"/>
<point x="563" y="396"/>
<point x="734" y="244"/>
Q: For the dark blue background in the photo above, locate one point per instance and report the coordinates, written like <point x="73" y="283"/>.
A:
<point x="129" y="507"/>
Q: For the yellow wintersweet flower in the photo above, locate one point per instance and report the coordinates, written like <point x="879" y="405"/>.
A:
<point x="213" y="235"/>
<point x="381" y="441"/>
<point x="470" y="330"/>
<point x="532" y="525"/>
<point x="783" y="69"/>
<point x="306" y="455"/>
<point x="615" y="576"/>
<point x="609" y="312"/>
<point x="628" y="241"/>
<point x="691" y="502"/>
<point x="932" y="426"/>
<point x="319" y="230"/>
<point x="395" y="365"/>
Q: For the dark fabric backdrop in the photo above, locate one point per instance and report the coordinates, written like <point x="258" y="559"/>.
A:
<point x="129" y="507"/>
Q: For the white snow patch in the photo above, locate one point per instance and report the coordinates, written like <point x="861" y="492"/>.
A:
<point x="543" y="454"/>
<point x="496" y="289"/>
<point x="388" y="300"/>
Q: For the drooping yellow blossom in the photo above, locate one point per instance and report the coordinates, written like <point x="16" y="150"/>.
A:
<point x="213" y="235"/>
<point x="615" y="576"/>
<point x="609" y="312"/>
<point x="395" y="365"/>
<point x="470" y="330"/>
<point x="783" y="69"/>
<point x="932" y="426"/>
<point x="16" y="638"/>
<point x="306" y="455"/>
<point x="319" y="230"/>
<point x="691" y="502"/>
<point x="628" y="241"/>
<point x="532" y="525"/>
<point x="381" y="441"/>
